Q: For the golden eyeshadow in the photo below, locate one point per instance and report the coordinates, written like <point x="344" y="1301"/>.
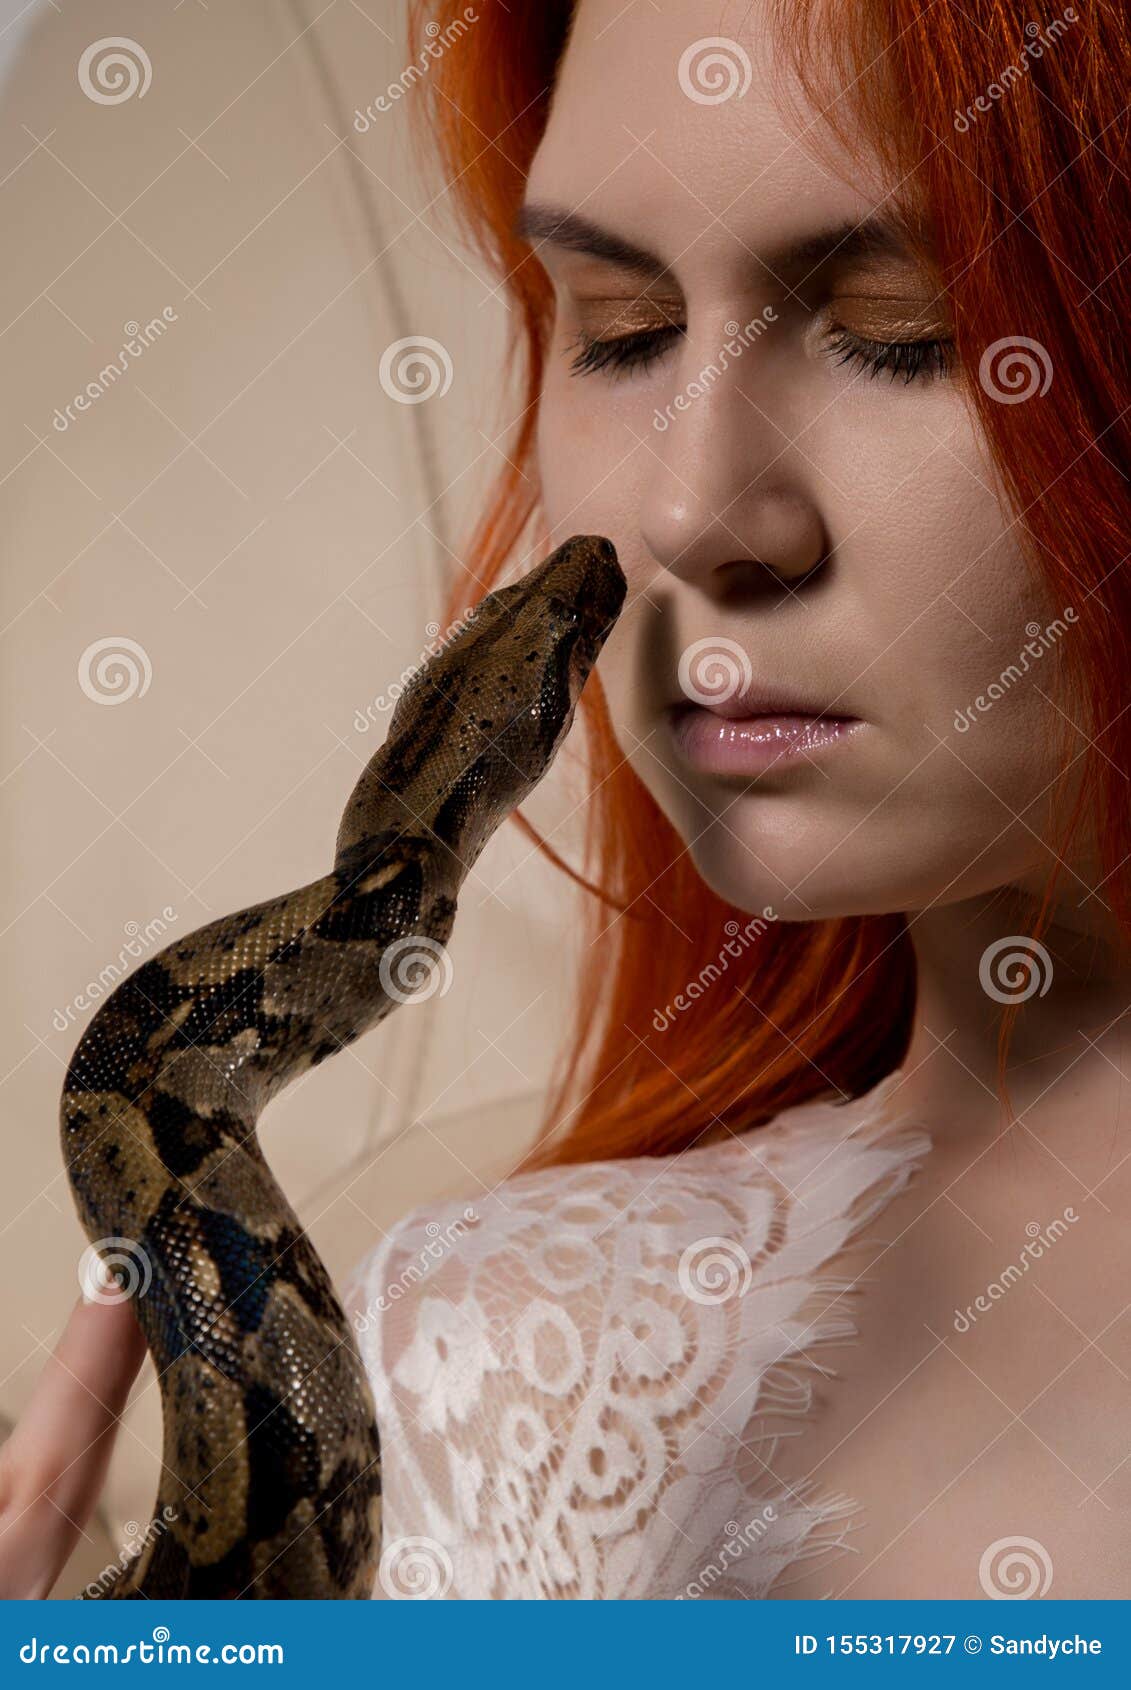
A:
<point x="612" y="318"/>
<point x="880" y="319"/>
<point x="889" y="302"/>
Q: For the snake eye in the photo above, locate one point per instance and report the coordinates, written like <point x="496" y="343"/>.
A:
<point x="567" y="612"/>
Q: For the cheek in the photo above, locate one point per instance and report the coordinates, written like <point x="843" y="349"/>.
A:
<point x="592" y="471"/>
<point x="939" y="601"/>
<point x="589" y="454"/>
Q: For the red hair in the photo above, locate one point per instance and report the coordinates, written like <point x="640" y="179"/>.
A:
<point x="1028" y="211"/>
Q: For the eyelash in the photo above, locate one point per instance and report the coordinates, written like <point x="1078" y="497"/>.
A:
<point x="620" y="353"/>
<point x="915" y="360"/>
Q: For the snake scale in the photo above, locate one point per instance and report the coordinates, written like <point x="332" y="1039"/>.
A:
<point x="270" y="1483"/>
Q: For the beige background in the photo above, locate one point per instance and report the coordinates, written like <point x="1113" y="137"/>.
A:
<point x="251" y="508"/>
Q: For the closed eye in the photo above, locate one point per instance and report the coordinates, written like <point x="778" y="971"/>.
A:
<point x="622" y="353"/>
<point x="913" y="360"/>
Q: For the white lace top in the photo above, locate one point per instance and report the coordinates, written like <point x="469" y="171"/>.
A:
<point x="577" y="1379"/>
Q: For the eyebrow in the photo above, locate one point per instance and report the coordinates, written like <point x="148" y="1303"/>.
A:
<point x="869" y="238"/>
<point x="537" y="221"/>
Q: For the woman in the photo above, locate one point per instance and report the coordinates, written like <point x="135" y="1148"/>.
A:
<point x="815" y="1283"/>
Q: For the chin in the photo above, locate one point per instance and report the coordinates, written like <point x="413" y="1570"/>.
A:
<point x="815" y="872"/>
<point x="796" y="885"/>
<point x="827" y="851"/>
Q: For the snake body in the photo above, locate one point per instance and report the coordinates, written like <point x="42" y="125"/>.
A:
<point x="270" y="1482"/>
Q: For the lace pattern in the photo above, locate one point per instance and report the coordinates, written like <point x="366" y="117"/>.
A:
<point x="581" y="1380"/>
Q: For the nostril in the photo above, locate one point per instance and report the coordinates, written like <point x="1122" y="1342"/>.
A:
<point x="748" y="579"/>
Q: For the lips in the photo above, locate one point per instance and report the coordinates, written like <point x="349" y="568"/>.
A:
<point x="751" y="727"/>
<point x="763" y="701"/>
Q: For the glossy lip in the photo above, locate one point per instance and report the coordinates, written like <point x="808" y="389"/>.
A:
<point x="761" y="701"/>
<point x="729" y="738"/>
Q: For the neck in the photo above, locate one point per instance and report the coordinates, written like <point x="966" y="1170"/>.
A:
<point x="1073" y="991"/>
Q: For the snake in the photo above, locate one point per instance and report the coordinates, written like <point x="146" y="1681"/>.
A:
<point x="270" y="1480"/>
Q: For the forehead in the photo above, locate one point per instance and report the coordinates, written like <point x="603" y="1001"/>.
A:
<point x="683" y="127"/>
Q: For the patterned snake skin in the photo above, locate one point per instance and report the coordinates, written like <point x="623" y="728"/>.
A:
<point x="270" y="1481"/>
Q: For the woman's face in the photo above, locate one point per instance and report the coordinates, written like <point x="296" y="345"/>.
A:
<point x="822" y="577"/>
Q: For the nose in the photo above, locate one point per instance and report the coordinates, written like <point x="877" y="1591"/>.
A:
<point x="729" y="503"/>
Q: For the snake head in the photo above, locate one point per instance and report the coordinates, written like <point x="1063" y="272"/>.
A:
<point x="544" y="633"/>
<point x="478" y="725"/>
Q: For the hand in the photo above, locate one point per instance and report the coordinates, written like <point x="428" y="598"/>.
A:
<point x="53" y="1465"/>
